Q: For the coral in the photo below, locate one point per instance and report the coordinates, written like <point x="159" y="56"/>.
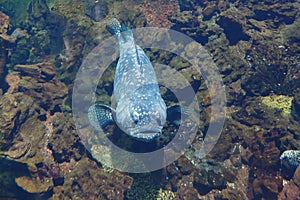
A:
<point x="279" y="101"/>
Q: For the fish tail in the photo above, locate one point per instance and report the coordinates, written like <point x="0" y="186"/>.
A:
<point x="122" y="33"/>
<point x="114" y="26"/>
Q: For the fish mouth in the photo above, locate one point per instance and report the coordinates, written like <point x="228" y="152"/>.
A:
<point x="147" y="134"/>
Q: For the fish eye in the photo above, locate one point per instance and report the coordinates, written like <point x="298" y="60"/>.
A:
<point x="135" y="117"/>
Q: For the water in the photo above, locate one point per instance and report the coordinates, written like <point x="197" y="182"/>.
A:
<point x="255" y="47"/>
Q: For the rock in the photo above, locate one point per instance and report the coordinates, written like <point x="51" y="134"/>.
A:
<point x="209" y="11"/>
<point x="63" y="141"/>
<point x="264" y="149"/>
<point x="274" y="68"/>
<point x="297" y="176"/>
<point x="4" y="23"/>
<point x="40" y="81"/>
<point x="33" y="184"/>
<point x="157" y="12"/>
<point x="17" y="150"/>
<point x="289" y="191"/>
<point x="97" y="10"/>
<point x="279" y="101"/>
<point x="3" y="69"/>
<point x="233" y="30"/>
<point x="93" y="183"/>
<point x="15" y="109"/>
<point x="296" y="105"/>
<point x="266" y="184"/>
<point x="290" y="35"/>
<point x="38" y="9"/>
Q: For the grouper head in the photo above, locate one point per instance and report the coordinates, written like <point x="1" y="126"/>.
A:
<point x="142" y="116"/>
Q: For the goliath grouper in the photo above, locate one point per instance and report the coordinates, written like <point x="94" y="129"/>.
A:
<point x="140" y="110"/>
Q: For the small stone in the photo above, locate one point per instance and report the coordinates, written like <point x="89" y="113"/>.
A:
<point x="290" y="158"/>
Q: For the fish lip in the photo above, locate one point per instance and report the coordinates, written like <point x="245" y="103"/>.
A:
<point x="147" y="136"/>
<point x="147" y="133"/>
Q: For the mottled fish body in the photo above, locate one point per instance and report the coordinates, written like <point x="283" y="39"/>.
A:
<point x="140" y="109"/>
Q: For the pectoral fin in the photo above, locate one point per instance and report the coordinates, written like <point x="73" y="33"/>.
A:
<point x="100" y="116"/>
<point x="175" y="112"/>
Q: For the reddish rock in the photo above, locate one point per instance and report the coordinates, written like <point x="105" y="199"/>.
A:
<point x="265" y="184"/>
<point x="157" y="12"/>
<point x="290" y="192"/>
<point x="88" y="181"/>
<point x="40" y="81"/>
<point x="297" y="176"/>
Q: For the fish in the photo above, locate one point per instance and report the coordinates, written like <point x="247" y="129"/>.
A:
<point x="140" y="109"/>
<point x="290" y="159"/>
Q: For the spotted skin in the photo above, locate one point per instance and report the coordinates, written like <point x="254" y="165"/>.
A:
<point x="140" y="109"/>
<point x="290" y="158"/>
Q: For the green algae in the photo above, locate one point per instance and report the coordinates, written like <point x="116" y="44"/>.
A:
<point x="284" y="103"/>
<point x="143" y="187"/>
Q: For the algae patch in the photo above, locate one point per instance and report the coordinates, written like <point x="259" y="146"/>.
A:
<point x="278" y="101"/>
